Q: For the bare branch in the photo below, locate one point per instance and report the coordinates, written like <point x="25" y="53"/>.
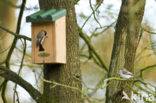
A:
<point x="85" y="38"/>
<point x="98" y="33"/>
<point x="101" y="32"/>
<point x="90" y="16"/>
<point x="10" y="75"/>
<point x="94" y="13"/>
<point x="146" y="68"/>
<point x="3" y="85"/>
<point x="15" y="34"/>
<point x="148" y="31"/>
<point x="66" y="86"/>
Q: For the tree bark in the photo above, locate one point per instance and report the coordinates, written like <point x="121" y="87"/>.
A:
<point x="124" y="47"/>
<point x="64" y="74"/>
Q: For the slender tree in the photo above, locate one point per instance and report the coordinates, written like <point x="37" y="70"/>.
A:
<point x="126" y="39"/>
<point x="7" y="19"/>
<point x="68" y="74"/>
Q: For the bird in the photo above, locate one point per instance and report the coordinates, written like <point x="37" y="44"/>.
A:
<point x="125" y="74"/>
<point x="40" y="38"/>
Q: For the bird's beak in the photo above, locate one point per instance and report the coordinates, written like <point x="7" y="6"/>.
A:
<point x="46" y="36"/>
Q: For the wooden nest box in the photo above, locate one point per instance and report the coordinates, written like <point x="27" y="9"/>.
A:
<point x="48" y="36"/>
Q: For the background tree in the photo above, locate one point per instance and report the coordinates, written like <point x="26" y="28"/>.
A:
<point x="126" y="41"/>
<point x="7" y="19"/>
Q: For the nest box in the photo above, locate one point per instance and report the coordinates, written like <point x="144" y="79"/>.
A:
<point x="48" y="36"/>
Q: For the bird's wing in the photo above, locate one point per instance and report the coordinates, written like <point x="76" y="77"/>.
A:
<point x="125" y="76"/>
<point x="39" y="41"/>
<point x="127" y="72"/>
<point x="42" y="39"/>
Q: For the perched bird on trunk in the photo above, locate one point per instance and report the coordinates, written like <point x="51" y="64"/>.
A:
<point x="40" y="38"/>
<point x="124" y="73"/>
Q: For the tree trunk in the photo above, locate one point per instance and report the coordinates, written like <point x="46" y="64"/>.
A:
<point x="64" y="74"/>
<point x="124" y="48"/>
<point x="8" y="20"/>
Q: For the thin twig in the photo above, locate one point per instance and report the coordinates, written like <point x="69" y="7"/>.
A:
<point x="3" y="86"/>
<point x="66" y="86"/>
<point x="152" y="44"/>
<point x="4" y="50"/>
<point x="146" y="68"/>
<point x="17" y="35"/>
<point x="20" y="68"/>
<point x="151" y="32"/>
<point x="140" y="87"/>
<point x="94" y="13"/>
<point x="90" y="16"/>
<point x="97" y="34"/>
<point x="85" y="38"/>
<point x="106" y="28"/>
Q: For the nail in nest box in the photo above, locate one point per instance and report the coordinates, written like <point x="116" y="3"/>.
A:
<point x="48" y="36"/>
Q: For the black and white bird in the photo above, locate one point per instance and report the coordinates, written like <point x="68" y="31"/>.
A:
<point x="40" y="38"/>
<point x="124" y="73"/>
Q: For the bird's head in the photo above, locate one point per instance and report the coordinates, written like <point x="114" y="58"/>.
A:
<point x="123" y="70"/>
<point x="43" y="32"/>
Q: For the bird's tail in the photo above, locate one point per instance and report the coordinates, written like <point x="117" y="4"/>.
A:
<point x="41" y="47"/>
<point x="136" y="77"/>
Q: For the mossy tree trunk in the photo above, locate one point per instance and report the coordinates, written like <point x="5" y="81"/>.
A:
<point x="126" y="40"/>
<point x="64" y="74"/>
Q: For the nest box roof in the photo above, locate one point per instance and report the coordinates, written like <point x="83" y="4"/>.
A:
<point x="46" y="16"/>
